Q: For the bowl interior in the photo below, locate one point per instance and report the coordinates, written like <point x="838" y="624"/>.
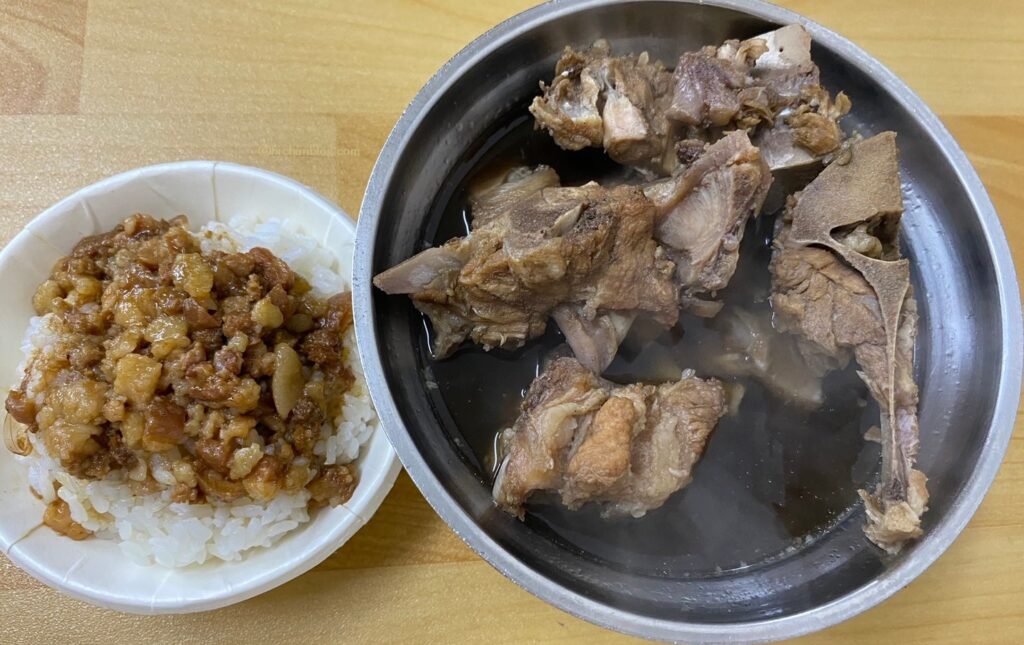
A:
<point x="958" y="354"/>
<point x="95" y="570"/>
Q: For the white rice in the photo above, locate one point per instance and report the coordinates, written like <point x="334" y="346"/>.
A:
<point x="153" y="529"/>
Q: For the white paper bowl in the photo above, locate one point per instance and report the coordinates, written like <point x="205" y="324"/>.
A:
<point x="94" y="570"/>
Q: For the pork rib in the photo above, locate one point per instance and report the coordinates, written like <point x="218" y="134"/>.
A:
<point x="840" y="283"/>
<point x="702" y="213"/>
<point x="538" y="246"/>
<point x="647" y="117"/>
<point x="627" y="447"/>
<point x="618" y="103"/>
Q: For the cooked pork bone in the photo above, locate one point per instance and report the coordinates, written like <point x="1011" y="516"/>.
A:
<point x="767" y="85"/>
<point x="618" y="103"/>
<point x="702" y="213"/>
<point x="839" y="283"/>
<point x="647" y="117"/>
<point x="519" y="184"/>
<point x="587" y="440"/>
<point x="595" y="341"/>
<point x="534" y="247"/>
<point x="700" y="218"/>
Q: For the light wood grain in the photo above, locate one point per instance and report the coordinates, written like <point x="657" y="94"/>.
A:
<point x="41" y="48"/>
<point x="292" y="56"/>
<point x="311" y="89"/>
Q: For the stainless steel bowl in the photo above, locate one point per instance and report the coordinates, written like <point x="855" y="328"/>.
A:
<point x="969" y="353"/>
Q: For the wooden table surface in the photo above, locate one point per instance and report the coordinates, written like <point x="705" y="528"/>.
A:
<point x="311" y="89"/>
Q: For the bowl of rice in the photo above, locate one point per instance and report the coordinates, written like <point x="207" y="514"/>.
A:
<point x="152" y="543"/>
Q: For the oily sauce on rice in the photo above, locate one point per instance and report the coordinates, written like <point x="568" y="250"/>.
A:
<point x="779" y="471"/>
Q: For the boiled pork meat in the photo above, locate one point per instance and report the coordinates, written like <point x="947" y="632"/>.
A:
<point x="586" y="440"/>
<point x="535" y="246"/>
<point x="841" y="285"/>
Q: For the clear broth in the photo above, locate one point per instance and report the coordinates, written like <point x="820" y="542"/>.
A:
<point x="774" y="476"/>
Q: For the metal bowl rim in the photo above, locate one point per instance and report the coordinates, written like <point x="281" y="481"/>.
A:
<point x="892" y="579"/>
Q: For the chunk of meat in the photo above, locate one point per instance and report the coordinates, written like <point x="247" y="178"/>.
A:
<point x="782" y="60"/>
<point x="193" y="274"/>
<point x="217" y="486"/>
<point x="219" y="389"/>
<point x="491" y="200"/>
<point x="263" y="482"/>
<point x="618" y="103"/>
<point x="569" y="105"/>
<point x="20" y="407"/>
<point x="80" y="401"/>
<point x="840" y="303"/>
<point x="58" y="517"/>
<point x="304" y="425"/>
<point x="803" y="127"/>
<point x="701" y="215"/>
<point x="431" y="270"/>
<point x="779" y="149"/>
<point x="325" y="345"/>
<point x="214" y="454"/>
<point x="271" y="269"/>
<point x="71" y="443"/>
<point x="805" y="131"/>
<point x="165" y="425"/>
<point x="197" y="315"/>
<point x="602" y="459"/>
<point x="765" y="82"/>
<point x="564" y="397"/>
<point x="244" y="460"/>
<point x="680" y="419"/>
<point x="228" y="360"/>
<point x="889" y="524"/>
<point x="594" y="342"/>
<point x="333" y="486"/>
<point x="640" y="113"/>
<point x="627" y="447"/>
<point x="703" y="212"/>
<point x="588" y="246"/>
<point x="137" y="377"/>
<point x="706" y="88"/>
